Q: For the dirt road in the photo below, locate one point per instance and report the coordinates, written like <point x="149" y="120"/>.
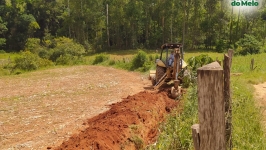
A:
<point x="45" y="108"/>
<point x="260" y="94"/>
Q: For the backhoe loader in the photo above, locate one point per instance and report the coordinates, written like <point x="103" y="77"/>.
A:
<point x="169" y="68"/>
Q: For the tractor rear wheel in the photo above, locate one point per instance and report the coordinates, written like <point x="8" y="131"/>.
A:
<point x="160" y="71"/>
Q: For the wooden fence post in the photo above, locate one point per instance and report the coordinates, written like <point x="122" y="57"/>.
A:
<point x="230" y="54"/>
<point x="228" y="101"/>
<point x="195" y="136"/>
<point x="211" y="107"/>
<point x="252" y="64"/>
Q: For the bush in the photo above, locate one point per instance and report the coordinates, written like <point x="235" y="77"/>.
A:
<point x="100" y="58"/>
<point x="44" y="54"/>
<point x="221" y="46"/>
<point x="64" y="47"/>
<point x="263" y="48"/>
<point x="139" y="60"/>
<point x="29" y="61"/>
<point x="112" y="62"/>
<point x="248" y="45"/>
<point x="151" y="58"/>
<point x="33" y="45"/>
<point x="199" y="61"/>
<point x="156" y="56"/>
<point x="68" y="59"/>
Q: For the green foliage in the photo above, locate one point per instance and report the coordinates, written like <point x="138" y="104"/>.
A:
<point x="248" y="131"/>
<point x="44" y="53"/>
<point x="85" y="23"/>
<point x="187" y="79"/>
<point x="112" y="62"/>
<point x="100" y="58"/>
<point x="263" y="48"/>
<point x="33" y="45"/>
<point x="2" y="51"/>
<point x="64" y="50"/>
<point x="221" y="46"/>
<point x="248" y="45"/>
<point x="199" y="61"/>
<point x="156" y="57"/>
<point x="29" y="61"/>
<point x="64" y="47"/>
<point x="68" y="59"/>
<point x="139" y="60"/>
<point x="2" y="41"/>
<point x="3" y="30"/>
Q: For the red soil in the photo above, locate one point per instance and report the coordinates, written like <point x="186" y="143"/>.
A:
<point x="130" y="124"/>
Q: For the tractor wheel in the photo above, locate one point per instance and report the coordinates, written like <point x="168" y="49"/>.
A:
<point x="160" y="71"/>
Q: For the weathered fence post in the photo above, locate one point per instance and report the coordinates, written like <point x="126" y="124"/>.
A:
<point x="252" y="64"/>
<point x="227" y="98"/>
<point x="211" y="107"/>
<point x="195" y="136"/>
<point x="230" y="54"/>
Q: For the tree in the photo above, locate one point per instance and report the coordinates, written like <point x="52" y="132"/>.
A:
<point x="3" y="30"/>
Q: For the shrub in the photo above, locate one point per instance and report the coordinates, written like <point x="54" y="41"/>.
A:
<point x="112" y="62"/>
<point x="44" y="54"/>
<point x="151" y="58"/>
<point x="221" y="46"/>
<point x="68" y="59"/>
<point x="263" y="48"/>
<point x="29" y="61"/>
<point x="199" y="61"/>
<point x="33" y="45"/>
<point x="139" y="60"/>
<point x="122" y="65"/>
<point x="100" y="58"/>
<point x="66" y="46"/>
<point x="248" y="45"/>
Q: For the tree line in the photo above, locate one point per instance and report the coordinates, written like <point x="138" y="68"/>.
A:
<point x="129" y="24"/>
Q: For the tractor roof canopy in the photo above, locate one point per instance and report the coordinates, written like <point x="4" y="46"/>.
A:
<point x="171" y="46"/>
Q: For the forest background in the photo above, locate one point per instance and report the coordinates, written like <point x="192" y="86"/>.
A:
<point x="104" y="25"/>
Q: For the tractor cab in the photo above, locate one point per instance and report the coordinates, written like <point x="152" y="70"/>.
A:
<point x="166" y="54"/>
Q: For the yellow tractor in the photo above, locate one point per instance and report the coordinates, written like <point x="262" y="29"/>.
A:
<point x="169" y="67"/>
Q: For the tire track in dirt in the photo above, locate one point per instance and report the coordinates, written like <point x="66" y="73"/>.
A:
<point x="44" y="108"/>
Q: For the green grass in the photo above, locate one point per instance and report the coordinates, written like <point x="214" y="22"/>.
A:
<point x="247" y="129"/>
<point x="8" y="55"/>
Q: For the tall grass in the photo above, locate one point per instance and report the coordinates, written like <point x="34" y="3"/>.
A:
<point x="247" y="129"/>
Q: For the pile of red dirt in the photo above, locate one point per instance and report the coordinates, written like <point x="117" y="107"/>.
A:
<point x="130" y="124"/>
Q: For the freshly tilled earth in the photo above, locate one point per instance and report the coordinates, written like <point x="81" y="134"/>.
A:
<point x="79" y="107"/>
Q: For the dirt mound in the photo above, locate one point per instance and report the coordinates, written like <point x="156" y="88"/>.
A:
<point x="130" y="124"/>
